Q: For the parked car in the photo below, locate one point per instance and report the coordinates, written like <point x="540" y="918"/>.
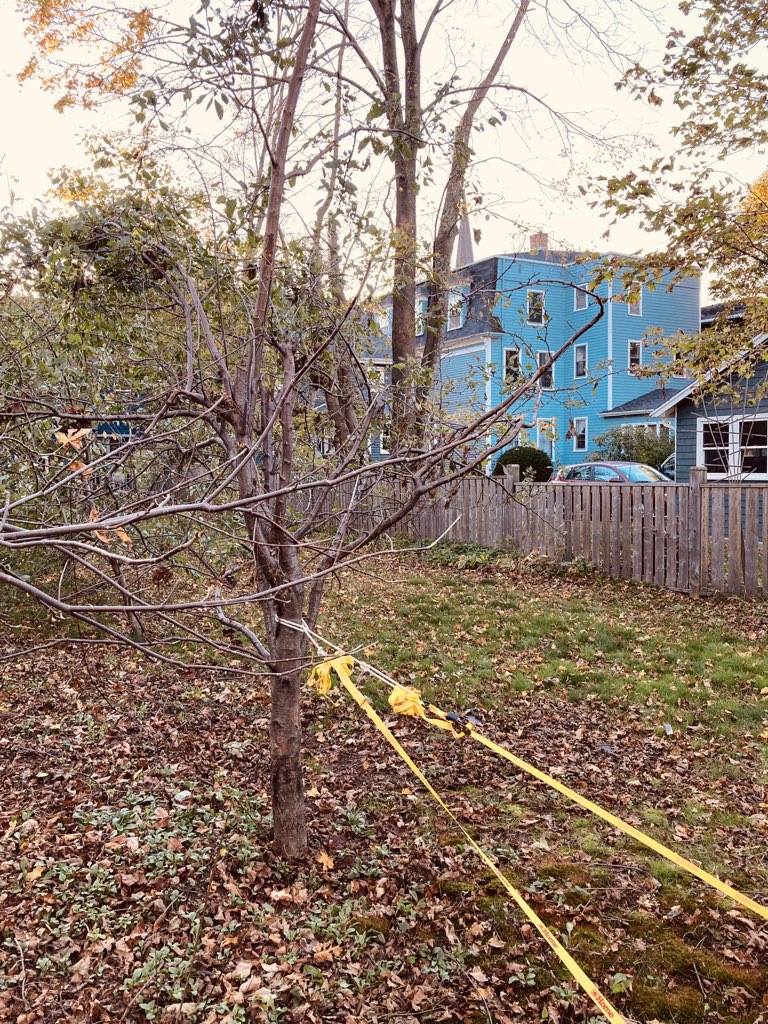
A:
<point x="668" y="467"/>
<point x="611" y="473"/>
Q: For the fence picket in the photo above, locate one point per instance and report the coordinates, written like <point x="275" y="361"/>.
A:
<point x="615" y="493"/>
<point x="716" y="505"/>
<point x="672" y="520"/>
<point x="648" y="525"/>
<point x="683" y="541"/>
<point x="735" y="543"/>
<point x="750" y="543"/>
<point x="660" y="534"/>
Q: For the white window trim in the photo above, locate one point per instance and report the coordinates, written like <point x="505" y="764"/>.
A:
<point x="630" y="343"/>
<point x="585" y="421"/>
<point x="638" y="303"/>
<point x="535" y="291"/>
<point x="582" y="376"/>
<point x="547" y="353"/>
<point x="734" y="446"/>
<point x="551" y="437"/>
<point x="578" y="292"/>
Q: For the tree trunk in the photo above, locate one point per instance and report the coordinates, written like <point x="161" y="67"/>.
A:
<point x="287" y="783"/>
<point x="404" y="301"/>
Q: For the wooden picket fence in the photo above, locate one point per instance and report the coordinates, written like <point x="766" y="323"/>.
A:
<point x="695" y="538"/>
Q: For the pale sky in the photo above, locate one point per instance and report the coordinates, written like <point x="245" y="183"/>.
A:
<point x="37" y="138"/>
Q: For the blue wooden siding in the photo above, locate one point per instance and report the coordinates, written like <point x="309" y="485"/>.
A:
<point x="668" y="311"/>
<point x="463" y="383"/>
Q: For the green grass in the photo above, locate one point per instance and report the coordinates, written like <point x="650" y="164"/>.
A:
<point x="480" y="637"/>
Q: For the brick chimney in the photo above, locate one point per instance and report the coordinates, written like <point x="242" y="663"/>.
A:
<point x="539" y="240"/>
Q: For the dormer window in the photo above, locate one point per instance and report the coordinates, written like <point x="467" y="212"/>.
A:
<point x="457" y="309"/>
<point x="382" y="319"/>
<point x="422" y="303"/>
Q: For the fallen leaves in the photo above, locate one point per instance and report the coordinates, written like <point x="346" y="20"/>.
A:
<point x="325" y="861"/>
<point x="157" y="863"/>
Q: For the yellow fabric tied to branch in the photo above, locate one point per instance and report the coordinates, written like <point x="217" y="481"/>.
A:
<point x="406" y="700"/>
<point x="320" y="676"/>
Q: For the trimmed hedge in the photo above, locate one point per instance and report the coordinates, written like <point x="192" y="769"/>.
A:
<point x="534" y="464"/>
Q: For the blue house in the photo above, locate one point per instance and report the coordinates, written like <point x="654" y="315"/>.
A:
<point x="509" y="313"/>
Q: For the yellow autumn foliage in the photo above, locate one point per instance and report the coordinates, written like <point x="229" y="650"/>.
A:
<point x="113" y="39"/>
<point x="756" y="201"/>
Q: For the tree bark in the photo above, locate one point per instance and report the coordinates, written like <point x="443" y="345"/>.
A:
<point x="287" y="781"/>
<point x="402" y="100"/>
<point x="453" y="200"/>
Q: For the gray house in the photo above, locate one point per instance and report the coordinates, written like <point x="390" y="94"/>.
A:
<point x="721" y="423"/>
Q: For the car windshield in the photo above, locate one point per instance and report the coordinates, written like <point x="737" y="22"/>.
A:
<point x="638" y="474"/>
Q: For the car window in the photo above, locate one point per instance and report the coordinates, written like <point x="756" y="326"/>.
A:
<point x="639" y="474"/>
<point x="580" y="473"/>
<point x="607" y="475"/>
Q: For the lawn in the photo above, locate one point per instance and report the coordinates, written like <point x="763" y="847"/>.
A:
<point x="139" y="882"/>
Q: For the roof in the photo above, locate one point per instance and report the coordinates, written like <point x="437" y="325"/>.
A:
<point x="671" y="403"/>
<point x="642" y="405"/>
<point x="559" y="256"/>
<point x="711" y="313"/>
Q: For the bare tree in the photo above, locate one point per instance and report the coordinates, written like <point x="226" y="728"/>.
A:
<point x="185" y="373"/>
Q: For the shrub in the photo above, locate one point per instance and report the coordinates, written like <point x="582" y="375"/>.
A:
<point x="634" y="444"/>
<point x="462" y="554"/>
<point x="534" y="464"/>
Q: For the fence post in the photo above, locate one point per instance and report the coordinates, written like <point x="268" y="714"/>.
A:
<point x="511" y="480"/>
<point x="697" y="517"/>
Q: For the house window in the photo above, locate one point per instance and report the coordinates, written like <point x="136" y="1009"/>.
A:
<point x="547" y="379"/>
<point x="635" y="302"/>
<point x="753" y="447"/>
<point x="421" y="314"/>
<point x="512" y="372"/>
<point x="380" y="373"/>
<point x="457" y="306"/>
<point x="715" y="444"/>
<point x="635" y="357"/>
<point x="384" y="440"/>
<point x="382" y="320"/>
<point x="545" y="436"/>
<point x="580" y="361"/>
<point x="535" y="307"/>
<point x="579" y="434"/>
<point x="580" y="299"/>
<point x="735" y="449"/>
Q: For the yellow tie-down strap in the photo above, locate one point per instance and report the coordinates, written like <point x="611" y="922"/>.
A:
<point x="407" y="700"/>
<point x="340" y="666"/>
<point x="442" y="721"/>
